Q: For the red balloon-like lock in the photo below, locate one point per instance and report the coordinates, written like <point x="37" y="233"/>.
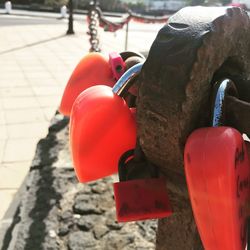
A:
<point x="93" y="69"/>
<point x="218" y="177"/>
<point x="102" y="128"/>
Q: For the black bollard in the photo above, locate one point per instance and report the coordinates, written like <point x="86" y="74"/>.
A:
<point x="70" y="30"/>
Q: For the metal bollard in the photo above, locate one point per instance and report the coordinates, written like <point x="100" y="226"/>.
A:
<point x="8" y="7"/>
<point x="63" y="11"/>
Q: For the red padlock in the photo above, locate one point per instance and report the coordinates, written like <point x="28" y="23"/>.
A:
<point x="217" y="172"/>
<point x="93" y="69"/>
<point x="218" y="178"/>
<point x="140" y="199"/>
<point x="102" y="128"/>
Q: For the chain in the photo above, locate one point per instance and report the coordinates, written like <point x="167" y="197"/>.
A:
<point x="94" y="16"/>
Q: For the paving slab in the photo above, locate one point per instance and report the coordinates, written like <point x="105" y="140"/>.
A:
<point x="17" y="171"/>
<point x="3" y="132"/>
<point x="26" y="115"/>
<point x="30" y="130"/>
<point x="17" y="150"/>
<point x="9" y="92"/>
<point x="7" y="196"/>
<point x="2" y="148"/>
<point x="10" y="103"/>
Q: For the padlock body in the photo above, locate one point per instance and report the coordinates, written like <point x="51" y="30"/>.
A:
<point x="117" y="64"/>
<point x="217" y="172"/>
<point x="102" y="128"/>
<point x="92" y="70"/>
<point x="141" y="199"/>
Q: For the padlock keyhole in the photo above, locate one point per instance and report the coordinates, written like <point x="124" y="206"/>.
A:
<point x="118" y="68"/>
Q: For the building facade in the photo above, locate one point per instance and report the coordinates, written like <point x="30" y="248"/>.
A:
<point x="155" y="5"/>
<point x="172" y="5"/>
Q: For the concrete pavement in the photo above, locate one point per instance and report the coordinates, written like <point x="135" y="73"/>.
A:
<point x="36" y="60"/>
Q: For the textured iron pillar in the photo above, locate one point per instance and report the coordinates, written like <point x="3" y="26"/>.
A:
<point x="70" y="30"/>
<point x="196" y="47"/>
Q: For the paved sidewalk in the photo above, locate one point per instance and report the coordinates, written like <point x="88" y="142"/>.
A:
<point x="36" y="60"/>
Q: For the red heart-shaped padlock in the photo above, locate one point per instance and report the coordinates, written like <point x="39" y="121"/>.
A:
<point x="93" y="69"/>
<point x="217" y="172"/>
<point x="102" y="128"/>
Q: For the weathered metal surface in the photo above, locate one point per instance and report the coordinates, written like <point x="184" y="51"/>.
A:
<point x="197" y="46"/>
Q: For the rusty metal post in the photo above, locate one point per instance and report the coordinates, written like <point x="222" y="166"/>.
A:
<point x="70" y="30"/>
<point x="197" y="46"/>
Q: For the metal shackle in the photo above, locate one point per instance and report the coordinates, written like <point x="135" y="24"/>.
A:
<point x="126" y="77"/>
<point x="223" y="87"/>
